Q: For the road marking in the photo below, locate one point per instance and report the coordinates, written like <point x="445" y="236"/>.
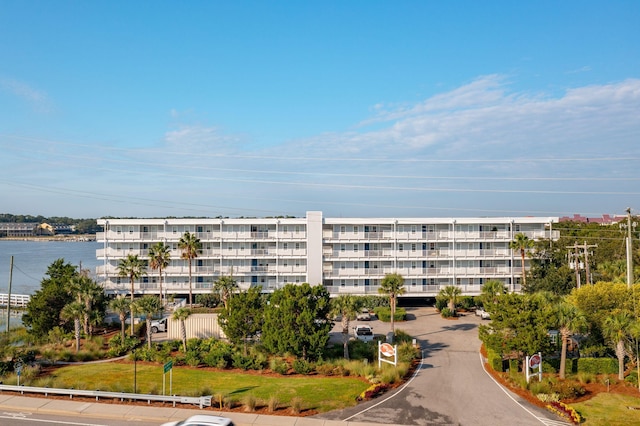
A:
<point x="21" y="416"/>
<point x="543" y="420"/>
<point x="415" y="374"/>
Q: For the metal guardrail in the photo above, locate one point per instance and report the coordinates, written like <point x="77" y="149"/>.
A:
<point x="201" y="401"/>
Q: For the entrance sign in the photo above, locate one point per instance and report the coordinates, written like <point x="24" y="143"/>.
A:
<point x="386" y="350"/>
<point x="532" y="363"/>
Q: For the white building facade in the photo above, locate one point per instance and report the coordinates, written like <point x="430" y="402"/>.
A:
<point x="346" y="255"/>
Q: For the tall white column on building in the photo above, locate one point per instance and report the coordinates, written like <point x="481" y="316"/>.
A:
<point x="314" y="248"/>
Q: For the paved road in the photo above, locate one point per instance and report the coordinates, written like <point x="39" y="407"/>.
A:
<point x="451" y="388"/>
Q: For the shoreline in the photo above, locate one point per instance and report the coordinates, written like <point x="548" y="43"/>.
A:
<point x="69" y="238"/>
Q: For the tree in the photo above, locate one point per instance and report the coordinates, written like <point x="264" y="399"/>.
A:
<point x="521" y="243"/>
<point x="133" y="268"/>
<point x="519" y="326"/>
<point x="393" y="286"/>
<point x="191" y="247"/>
<point x="121" y="305"/>
<point x="491" y="291"/>
<point x="616" y="329"/>
<point x="159" y="257"/>
<point x="91" y="295"/>
<point x="242" y="320"/>
<point x="296" y="321"/>
<point x="74" y="311"/>
<point x="347" y="307"/>
<point x="451" y="293"/>
<point x="225" y="286"/>
<point x="569" y="321"/>
<point x="181" y="315"/>
<point x="44" y="308"/>
<point x="148" y="306"/>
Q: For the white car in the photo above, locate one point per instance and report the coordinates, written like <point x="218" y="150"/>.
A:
<point x="365" y="315"/>
<point x="202" y="420"/>
<point x="159" y="325"/>
<point x="363" y="332"/>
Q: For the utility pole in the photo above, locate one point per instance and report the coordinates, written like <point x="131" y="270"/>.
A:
<point x="9" y="295"/>
<point x="576" y="261"/>
<point x="629" y="250"/>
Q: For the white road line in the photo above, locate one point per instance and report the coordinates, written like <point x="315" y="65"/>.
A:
<point x="415" y="373"/>
<point x="543" y="420"/>
<point x="28" y="419"/>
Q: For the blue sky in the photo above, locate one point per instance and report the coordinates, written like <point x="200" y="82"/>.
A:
<point x="359" y="108"/>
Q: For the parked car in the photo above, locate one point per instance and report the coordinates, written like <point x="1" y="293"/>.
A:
<point x="363" y="332"/>
<point x="159" y="326"/>
<point x="202" y="420"/>
<point x="364" y="315"/>
<point x="485" y="315"/>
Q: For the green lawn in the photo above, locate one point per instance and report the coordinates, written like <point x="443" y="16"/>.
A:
<point x="317" y="393"/>
<point x="610" y="409"/>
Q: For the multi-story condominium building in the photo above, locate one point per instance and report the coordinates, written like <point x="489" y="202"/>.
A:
<point x="347" y="255"/>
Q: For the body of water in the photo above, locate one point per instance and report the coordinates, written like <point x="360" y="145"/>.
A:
<point x="32" y="258"/>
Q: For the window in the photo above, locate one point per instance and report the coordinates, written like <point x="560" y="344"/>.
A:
<point x="343" y="229"/>
<point x="413" y="247"/>
<point x="355" y="265"/>
<point x="342" y="247"/>
<point x="413" y="265"/>
<point x="131" y="229"/>
<point x="342" y="283"/>
<point x="355" y="247"/>
<point x="355" y="229"/>
<point x="285" y="246"/>
<point x="118" y="230"/>
<point x="400" y="247"/>
<point x="175" y="229"/>
<point x="413" y="230"/>
<point x="297" y="246"/>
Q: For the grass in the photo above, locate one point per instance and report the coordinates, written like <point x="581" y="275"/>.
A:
<point x="610" y="409"/>
<point x="316" y="393"/>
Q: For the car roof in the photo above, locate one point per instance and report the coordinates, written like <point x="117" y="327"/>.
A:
<point x="207" y="419"/>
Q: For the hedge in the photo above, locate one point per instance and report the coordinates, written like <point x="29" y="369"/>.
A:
<point x="494" y="359"/>
<point x="384" y="314"/>
<point x="598" y="365"/>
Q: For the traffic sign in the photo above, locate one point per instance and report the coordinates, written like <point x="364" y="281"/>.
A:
<point x="168" y="366"/>
<point x="534" y="361"/>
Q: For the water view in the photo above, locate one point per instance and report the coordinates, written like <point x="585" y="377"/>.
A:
<point x="32" y="258"/>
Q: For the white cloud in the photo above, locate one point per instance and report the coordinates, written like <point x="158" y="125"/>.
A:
<point x="201" y="139"/>
<point x="36" y="98"/>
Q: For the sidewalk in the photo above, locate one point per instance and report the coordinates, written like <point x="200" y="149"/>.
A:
<point x="150" y="413"/>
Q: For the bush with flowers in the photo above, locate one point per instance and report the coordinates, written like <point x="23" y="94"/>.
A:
<point x="372" y="391"/>
<point x="565" y="411"/>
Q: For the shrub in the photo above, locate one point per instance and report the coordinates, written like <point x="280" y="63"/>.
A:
<point x="407" y="352"/>
<point x="467" y="303"/>
<point x="494" y="360"/>
<point x="219" y="355"/>
<point x="384" y="314"/>
<point x="446" y="313"/>
<point x="249" y="401"/>
<point x="238" y="360"/>
<point x="441" y="303"/>
<point x="362" y="350"/>
<point x="585" y="377"/>
<point x="567" y="390"/>
<point x="296" y="405"/>
<point x="279" y="366"/>
<point x="273" y="403"/>
<point x="565" y="411"/>
<point x="372" y="391"/>
<point x="632" y="378"/>
<point x="302" y="366"/>
<point x="598" y="365"/>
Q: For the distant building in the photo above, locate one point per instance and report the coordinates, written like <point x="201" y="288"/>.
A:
<point x="16" y="230"/>
<point x="604" y="220"/>
<point x="346" y="255"/>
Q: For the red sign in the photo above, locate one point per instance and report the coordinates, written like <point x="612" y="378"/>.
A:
<point x="387" y="350"/>
<point x="534" y="361"/>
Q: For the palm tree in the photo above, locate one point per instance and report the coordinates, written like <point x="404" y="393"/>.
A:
<point x="121" y="305"/>
<point x="133" y="268"/>
<point x="89" y="292"/>
<point x="491" y="290"/>
<point x="159" y="257"/>
<point x="225" y="286"/>
<point x="451" y="293"/>
<point x="191" y="247"/>
<point x="74" y="311"/>
<point x="393" y="286"/>
<point x="181" y="314"/>
<point x="347" y="307"/>
<point x="148" y="306"/>
<point x="616" y="329"/>
<point x="569" y="321"/>
<point x="521" y="243"/>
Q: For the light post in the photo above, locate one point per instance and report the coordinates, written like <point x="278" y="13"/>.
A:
<point x="629" y="227"/>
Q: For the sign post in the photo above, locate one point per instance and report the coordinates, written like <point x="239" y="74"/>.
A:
<point x="18" y="368"/>
<point x="386" y="350"/>
<point x="533" y="362"/>
<point x="168" y="367"/>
